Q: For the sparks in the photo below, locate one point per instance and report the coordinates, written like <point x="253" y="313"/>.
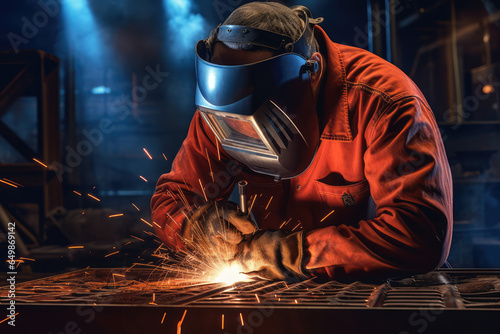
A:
<point x="75" y="247"/>
<point x="164" y="314"/>
<point x="116" y="215"/>
<point x="203" y="190"/>
<point x="242" y="322"/>
<point x="145" y="221"/>
<point x="251" y="205"/>
<point x="269" y="202"/>
<point x="179" y="324"/>
<point x="133" y="236"/>
<point x="165" y="156"/>
<point x="143" y="178"/>
<point x="147" y="153"/>
<point x="13" y="182"/>
<point x="8" y="183"/>
<point x="93" y="197"/>
<point x="296" y="226"/>
<point x="112" y="253"/>
<point x="27" y="258"/>
<point x="231" y="274"/>
<point x="222" y="321"/>
<point x="210" y="166"/>
<point x="39" y="162"/>
<point x="257" y="297"/>
<point x="327" y="215"/>
<point x="135" y="206"/>
<point x="285" y="222"/>
<point x="8" y="318"/>
<point x="76" y="192"/>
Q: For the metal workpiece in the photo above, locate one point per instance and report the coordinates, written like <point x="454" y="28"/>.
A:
<point x="130" y="300"/>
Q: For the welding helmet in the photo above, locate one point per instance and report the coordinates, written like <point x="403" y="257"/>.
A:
<point x="262" y="113"/>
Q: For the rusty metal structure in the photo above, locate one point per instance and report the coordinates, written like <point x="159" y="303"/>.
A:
<point x="134" y="300"/>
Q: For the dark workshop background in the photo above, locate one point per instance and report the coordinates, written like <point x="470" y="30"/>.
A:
<point x="123" y="80"/>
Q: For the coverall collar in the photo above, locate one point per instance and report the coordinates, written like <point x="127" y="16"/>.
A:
<point x="335" y="106"/>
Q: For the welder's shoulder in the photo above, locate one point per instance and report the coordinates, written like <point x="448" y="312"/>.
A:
<point x="376" y="76"/>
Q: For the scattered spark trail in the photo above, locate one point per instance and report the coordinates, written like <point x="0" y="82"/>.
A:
<point x="143" y="178"/>
<point x="8" y="183"/>
<point x="203" y="190"/>
<point x="135" y="206"/>
<point x="251" y="205"/>
<point x="285" y="222"/>
<point x="242" y="322"/>
<point x="204" y="259"/>
<point x="180" y="322"/>
<point x="75" y="247"/>
<point x="210" y="166"/>
<point x="164" y="314"/>
<point x="13" y="182"/>
<point x="116" y="215"/>
<point x="93" y="197"/>
<point x="269" y="202"/>
<point x="327" y="215"/>
<point x="222" y="321"/>
<point x="145" y="221"/>
<point x="39" y="162"/>
<point x="112" y="254"/>
<point x="76" y="192"/>
<point x="147" y="153"/>
<point x="165" y="156"/>
<point x="8" y="318"/>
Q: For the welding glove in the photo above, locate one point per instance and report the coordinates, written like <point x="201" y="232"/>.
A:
<point x="217" y="227"/>
<point x="274" y="255"/>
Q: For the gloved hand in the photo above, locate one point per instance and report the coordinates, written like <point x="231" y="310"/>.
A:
<point x="216" y="227"/>
<point x="274" y="255"/>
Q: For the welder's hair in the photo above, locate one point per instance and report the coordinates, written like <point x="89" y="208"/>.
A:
<point x="271" y="16"/>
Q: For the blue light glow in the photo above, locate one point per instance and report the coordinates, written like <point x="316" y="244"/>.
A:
<point x="82" y="31"/>
<point x="185" y="28"/>
<point x="101" y="90"/>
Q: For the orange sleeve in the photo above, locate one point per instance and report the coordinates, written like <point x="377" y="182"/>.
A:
<point x="201" y="171"/>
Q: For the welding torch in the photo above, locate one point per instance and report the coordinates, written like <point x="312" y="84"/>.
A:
<point x="242" y="191"/>
<point x="243" y="211"/>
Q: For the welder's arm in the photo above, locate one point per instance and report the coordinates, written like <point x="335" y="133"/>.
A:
<point x="178" y="193"/>
<point x="410" y="182"/>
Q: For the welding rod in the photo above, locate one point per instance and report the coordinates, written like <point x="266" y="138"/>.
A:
<point x="242" y="190"/>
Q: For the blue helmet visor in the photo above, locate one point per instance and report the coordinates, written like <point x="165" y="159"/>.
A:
<point x="262" y="113"/>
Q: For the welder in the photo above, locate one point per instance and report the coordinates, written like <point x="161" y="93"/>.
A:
<point x="346" y="172"/>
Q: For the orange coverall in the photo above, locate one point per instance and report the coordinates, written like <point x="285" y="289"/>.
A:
<point x="381" y="167"/>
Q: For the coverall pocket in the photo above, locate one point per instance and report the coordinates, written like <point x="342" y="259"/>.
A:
<point x="345" y="196"/>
